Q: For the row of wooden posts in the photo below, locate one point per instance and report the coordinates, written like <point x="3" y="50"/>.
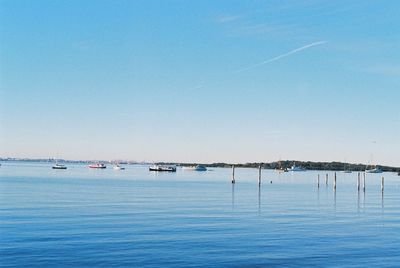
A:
<point x="259" y="175"/>
<point x="358" y="182"/>
<point x="326" y="180"/>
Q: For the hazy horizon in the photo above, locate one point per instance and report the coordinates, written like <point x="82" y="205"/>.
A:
<point x="201" y="81"/>
<point x="188" y="162"/>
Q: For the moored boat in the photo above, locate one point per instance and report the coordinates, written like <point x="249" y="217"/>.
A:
<point x="98" y="165"/>
<point x="162" y="168"/>
<point x="195" y="168"/>
<point x="374" y="170"/>
<point x="296" y="168"/>
<point x="280" y="167"/>
<point x="118" y="167"/>
<point x="200" y="168"/>
<point x="58" y="166"/>
<point x="346" y="168"/>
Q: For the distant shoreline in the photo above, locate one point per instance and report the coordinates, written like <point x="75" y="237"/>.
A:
<point x="284" y="164"/>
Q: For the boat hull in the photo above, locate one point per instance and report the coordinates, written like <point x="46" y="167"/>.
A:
<point x="374" y="171"/>
<point x="97" y="166"/>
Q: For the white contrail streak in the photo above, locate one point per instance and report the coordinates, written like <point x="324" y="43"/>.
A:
<point x="282" y="56"/>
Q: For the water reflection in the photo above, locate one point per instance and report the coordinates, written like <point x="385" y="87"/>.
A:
<point x="233" y="196"/>
<point x="334" y="199"/>
<point x="259" y="199"/>
<point x="363" y="200"/>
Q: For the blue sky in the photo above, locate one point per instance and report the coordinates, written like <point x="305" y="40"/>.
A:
<point x="201" y="81"/>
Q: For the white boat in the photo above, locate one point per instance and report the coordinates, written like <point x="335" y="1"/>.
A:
<point x="98" y="165"/>
<point x="195" y="168"/>
<point x="58" y="166"/>
<point x="295" y="168"/>
<point x="346" y="168"/>
<point x="118" y="167"/>
<point x="162" y="168"/>
<point x="374" y="170"/>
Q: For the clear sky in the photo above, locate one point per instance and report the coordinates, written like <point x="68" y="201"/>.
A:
<point x="201" y="81"/>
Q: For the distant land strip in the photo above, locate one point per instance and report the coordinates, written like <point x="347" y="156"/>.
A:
<point x="284" y="164"/>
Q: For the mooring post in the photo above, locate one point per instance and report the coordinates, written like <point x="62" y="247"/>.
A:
<point x="382" y="184"/>
<point x="318" y="181"/>
<point x="233" y="173"/>
<point x="358" y="182"/>
<point x="334" y="183"/>
<point x="259" y="175"/>
<point x="364" y="182"/>
<point x="326" y="179"/>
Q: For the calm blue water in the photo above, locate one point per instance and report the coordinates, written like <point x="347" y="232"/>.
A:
<point x="83" y="217"/>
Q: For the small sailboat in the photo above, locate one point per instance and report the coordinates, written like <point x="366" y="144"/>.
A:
<point x="347" y="169"/>
<point x="374" y="170"/>
<point x="58" y="166"/>
<point x="280" y="167"/>
<point x="118" y="167"/>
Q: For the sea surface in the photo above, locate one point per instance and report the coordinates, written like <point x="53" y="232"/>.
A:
<point x="81" y="217"/>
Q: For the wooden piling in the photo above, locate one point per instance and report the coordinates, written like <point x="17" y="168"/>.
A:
<point x="364" y="182"/>
<point x="382" y="184"/>
<point x="358" y="182"/>
<point x="318" y="181"/>
<point x="334" y="183"/>
<point x="259" y="175"/>
<point x="233" y="173"/>
<point x="326" y="179"/>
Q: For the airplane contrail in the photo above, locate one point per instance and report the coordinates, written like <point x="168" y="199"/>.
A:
<point x="282" y="56"/>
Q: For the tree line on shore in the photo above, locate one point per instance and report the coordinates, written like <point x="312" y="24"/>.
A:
<point x="309" y="165"/>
